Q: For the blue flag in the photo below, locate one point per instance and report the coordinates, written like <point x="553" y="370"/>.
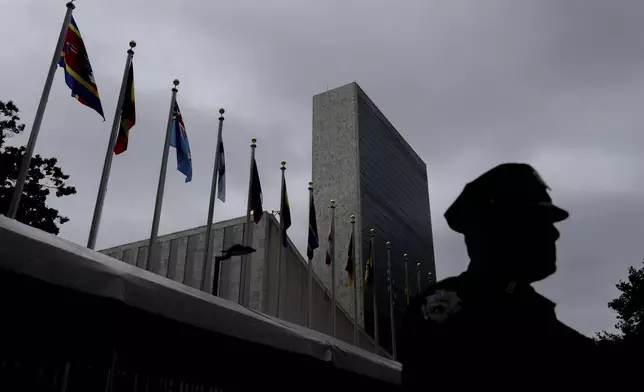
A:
<point x="179" y="140"/>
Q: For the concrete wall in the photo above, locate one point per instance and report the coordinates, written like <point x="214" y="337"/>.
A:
<point x="181" y="259"/>
<point x="335" y="176"/>
<point x="179" y="256"/>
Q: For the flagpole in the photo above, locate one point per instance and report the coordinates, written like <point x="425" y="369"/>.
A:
<point x="332" y="251"/>
<point x="107" y="165"/>
<point x="279" y="255"/>
<point x="374" y="281"/>
<point x="40" y="112"/>
<point x="309" y="302"/>
<point x="417" y="278"/>
<point x="162" y="175"/>
<point x="247" y="238"/>
<point x="406" y="258"/>
<point x="207" y="254"/>
<point x="355" y="282"/>
<point x="391" y="303"/>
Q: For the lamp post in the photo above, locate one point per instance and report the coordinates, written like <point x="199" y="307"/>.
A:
<point x="235" y="250"/>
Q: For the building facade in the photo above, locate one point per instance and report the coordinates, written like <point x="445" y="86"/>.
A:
<point x="180" y="258"/>
<point x="361" y="161"/>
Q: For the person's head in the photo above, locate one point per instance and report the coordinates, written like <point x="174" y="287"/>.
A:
<point x="507" y="218"/>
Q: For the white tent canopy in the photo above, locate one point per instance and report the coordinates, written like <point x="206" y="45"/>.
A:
<point x="45" y="257"/>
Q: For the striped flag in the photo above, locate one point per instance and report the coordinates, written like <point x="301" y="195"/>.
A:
<point x="79" y="76"/>
<point x="128" y="114"/>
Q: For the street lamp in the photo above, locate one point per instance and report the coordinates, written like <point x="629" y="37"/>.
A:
<point x="235" y="250"/>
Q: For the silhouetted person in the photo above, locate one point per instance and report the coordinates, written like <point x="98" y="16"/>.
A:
<point x="488" y="327"/>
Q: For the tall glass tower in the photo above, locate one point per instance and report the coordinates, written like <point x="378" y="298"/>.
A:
<point x="361" y="161"/>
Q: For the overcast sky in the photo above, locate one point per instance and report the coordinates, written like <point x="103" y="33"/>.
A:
<point x="470" y="84"/>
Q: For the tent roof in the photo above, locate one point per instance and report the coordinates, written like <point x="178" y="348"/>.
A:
<point x="29" y="251"/>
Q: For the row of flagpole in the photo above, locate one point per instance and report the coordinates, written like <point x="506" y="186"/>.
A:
<point x="352" y="266"/>
<point x="70" y="54"/>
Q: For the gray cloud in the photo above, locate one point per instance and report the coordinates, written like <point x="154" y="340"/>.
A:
<point x="470" y="84"/>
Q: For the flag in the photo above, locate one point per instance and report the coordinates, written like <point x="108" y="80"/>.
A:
<point x="285" y="212"/>
<point x="221" y="175"/>
<point x="128" y="114"/>
<point x="79" y="76"/>
<point x="313" y="230"/>
<point x="350" y="262"/>
<point x="368" y="270"/>
<point x="256" y="198"/>
<point x="179" y="140"/>
<point x="328" y="259"/>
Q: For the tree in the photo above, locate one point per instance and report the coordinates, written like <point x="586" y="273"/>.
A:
<point x="43" y="177"/>
<point x="629" y="307"/>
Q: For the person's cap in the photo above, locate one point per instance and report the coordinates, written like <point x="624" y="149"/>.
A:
<point x="509" y="186"/>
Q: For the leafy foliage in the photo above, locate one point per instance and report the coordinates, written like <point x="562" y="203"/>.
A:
<point x="44" y="176"/>
<point x="629" y="307"/>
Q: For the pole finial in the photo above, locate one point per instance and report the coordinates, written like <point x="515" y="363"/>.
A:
<point x="133" y="44"/>
<point x="283" y="165"/>
<point x="388" y="245"/>
<point x="310" y="185"/>
<point x="221" y="111"/>
<point x="372" y="232"/>
<point x="353" y="218"/>
<point x="332" y="203"/>
<point x="71" y="4"/>
<point x="175" y="82"/>
<point x="406" y="256"/>
<point x="253" y="142"/>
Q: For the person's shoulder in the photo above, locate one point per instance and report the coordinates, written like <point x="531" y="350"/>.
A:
<point x="428" y="328"/>
<point x="572" y="336"/>
<point x="437" y="302"/>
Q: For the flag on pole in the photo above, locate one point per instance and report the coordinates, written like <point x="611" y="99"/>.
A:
<point x="256" y="197"/>
<point x="128" y="114"/>
<point x="350" y="262"/>
<point x="285" y="212"/>
<point x="221" y="174"/>
<point x="328" y="258"/>
<point x="79" y="76"/>
<point x="368" y="271"/>
<point x="313" y="242"/>
<point x="179" y="140"/>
